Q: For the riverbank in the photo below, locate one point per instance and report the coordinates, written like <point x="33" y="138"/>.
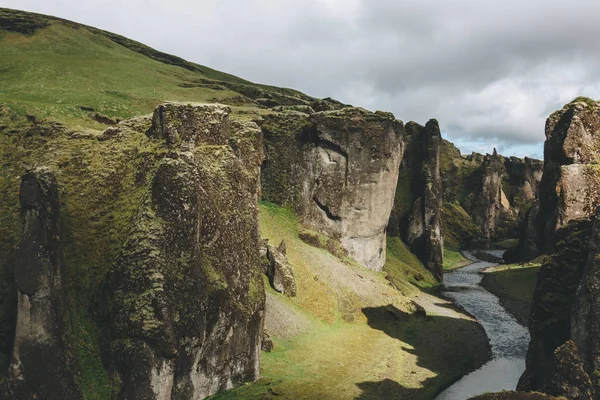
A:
<point x="514" y="285"/>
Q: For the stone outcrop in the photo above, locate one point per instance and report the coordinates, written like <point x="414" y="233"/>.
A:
<point x="570" y="187"/>
<point x="550" y="319"/>
<point x="523" y="177"/>
<point x="279" y="270"/>
<point x="43" y="331"/>
<point x="186" y="295"/>
<point x="492" y="209"/>
<point x="585" y="318"/>
<point x="417" y="214"/>
<point x="338" y="169"/>
<point x="494" y="191"/>
<point x="564" y="353"/>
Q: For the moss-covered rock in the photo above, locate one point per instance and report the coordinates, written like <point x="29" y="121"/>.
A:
<point x="186" y="294"/>
<point x="43" y="334"/>
<point x="550" y="320"/>
<point x="569" y="187"/>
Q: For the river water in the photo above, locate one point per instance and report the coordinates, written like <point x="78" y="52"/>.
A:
<point x="508" y="339"/>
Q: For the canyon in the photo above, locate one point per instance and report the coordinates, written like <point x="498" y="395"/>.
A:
<point x="180" y="249"/>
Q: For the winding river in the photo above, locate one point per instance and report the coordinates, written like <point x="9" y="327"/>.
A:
<point x="508" y="339"/>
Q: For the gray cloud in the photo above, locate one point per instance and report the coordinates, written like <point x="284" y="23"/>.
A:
<point x="489" y="71"/>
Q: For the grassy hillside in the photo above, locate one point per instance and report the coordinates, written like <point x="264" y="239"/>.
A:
<point x="350" y="334"/>
<point x="51" y="68"/>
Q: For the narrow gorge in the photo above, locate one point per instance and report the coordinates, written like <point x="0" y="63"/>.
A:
<point x="170" y="231"/>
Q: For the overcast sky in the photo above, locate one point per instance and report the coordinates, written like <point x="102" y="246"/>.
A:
<point x="489" y="71"/>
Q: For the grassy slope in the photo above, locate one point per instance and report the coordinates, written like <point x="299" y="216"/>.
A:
<point x="56" y="69"/>
<point x="358" y="340"/>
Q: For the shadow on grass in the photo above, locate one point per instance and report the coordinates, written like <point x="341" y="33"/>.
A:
<point x="448" y="347"/>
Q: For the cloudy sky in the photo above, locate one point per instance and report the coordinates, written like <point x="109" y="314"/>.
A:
<point x="489" y="71"/>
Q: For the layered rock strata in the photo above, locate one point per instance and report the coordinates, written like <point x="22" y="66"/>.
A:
<point x="338" y="169"/>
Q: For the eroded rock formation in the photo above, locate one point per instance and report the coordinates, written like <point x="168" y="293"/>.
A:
<point x="550" y="319"/>
<point x="338" y="169"/>
<point x="279" y="271"/>
<point x="43" y="332"/>
<point x="564" y="353"/>
<point x="186" y="295"/>
<point x="571" y="181"/>
<point x="417" y="214"/>
<point x="494" y="191"/>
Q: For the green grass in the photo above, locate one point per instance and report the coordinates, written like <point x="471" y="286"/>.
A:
<point x="453" y="259"/>
<point x="382" y="353"/>
<point x="517" y="282"/>
<point x="54" y="71"/>
<point x="404" y="268"/>
<point x="506" y="243"/>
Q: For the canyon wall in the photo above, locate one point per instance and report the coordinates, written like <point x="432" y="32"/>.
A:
<point x="338" y="170"/>
<point x="417" y="216"/>
<point x="187" y="295"/>
<point x="144" y="281"/>
<point x="495" y="192"/>
<point x="43" y="335"/>
<point x="563" y="355"/>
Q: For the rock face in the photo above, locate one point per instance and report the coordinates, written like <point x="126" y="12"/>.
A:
<point x="43" y="333"/>
<point x="570" y="185"/>
<point x="417" y="214"/>
<point x="550" y="319"/>
<point x="585" y="318"/>
<point x="523" y="177"/>
<point x="186" y="296"/>
<point x="564" y="353"/>
<point x="494" y="191"/>
<point x="492" y="208"/>
<point x="338" y="169"/>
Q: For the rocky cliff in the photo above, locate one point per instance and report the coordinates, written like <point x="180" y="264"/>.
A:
<point x="569" y="188"/>
<point x="187" y="295"/>
<point x="43" y="335"/>
<point x="417" y="214"/>
<point x="338" y="170"/>
<point x="563" y="354"/>
<point x="144" y="281"/>
<point x="495" y="191"/>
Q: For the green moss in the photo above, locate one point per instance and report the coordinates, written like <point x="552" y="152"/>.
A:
<point x="404" y="268"/>
<point x="582" y="99"/>
<point x="96" y="383"/>
<point x="459" y="228"/>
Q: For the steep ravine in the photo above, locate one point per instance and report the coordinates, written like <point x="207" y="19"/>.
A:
<point x="508" y="338"/>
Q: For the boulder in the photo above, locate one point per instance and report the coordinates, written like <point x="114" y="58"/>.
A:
<point x="279" y="271"/>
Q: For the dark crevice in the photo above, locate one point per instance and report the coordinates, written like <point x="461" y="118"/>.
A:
<point x="326" y="210"/>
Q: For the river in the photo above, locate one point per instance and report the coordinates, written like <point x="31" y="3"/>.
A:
<point x="508" y="339"/>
